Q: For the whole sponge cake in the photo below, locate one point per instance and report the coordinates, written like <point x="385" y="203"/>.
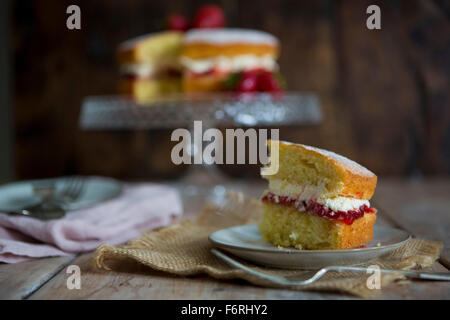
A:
<point x="198" y="61"/>
<point x="317" y="199"/>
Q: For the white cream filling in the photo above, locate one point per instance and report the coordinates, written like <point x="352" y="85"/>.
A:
<point x="295" y="191"/>
<point x="308" y="192"/>
<point x="138" y="69"/>
<point x="231" y="64"/>
<point x="343" y="203"/>
<point x="147" y="69"/>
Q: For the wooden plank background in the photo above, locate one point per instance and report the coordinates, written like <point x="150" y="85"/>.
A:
<point x="385" y="93"/>
<point x="6" y="136"/>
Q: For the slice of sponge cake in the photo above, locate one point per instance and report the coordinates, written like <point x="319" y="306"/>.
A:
<point x="317" y="199"/>
<point x="149" y="65"/>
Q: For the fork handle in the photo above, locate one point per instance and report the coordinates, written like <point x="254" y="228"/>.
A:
<point x="412" y="274"/>
<point x="21" y="212"/>
<point x="38" y="212"/>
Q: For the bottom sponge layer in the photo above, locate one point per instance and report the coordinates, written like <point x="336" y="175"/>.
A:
<point x="287" y="227"/>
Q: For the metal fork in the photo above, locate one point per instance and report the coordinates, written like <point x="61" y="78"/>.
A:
<point x="312" y="276"/>
<point x="46" y="209"/>
<point x="72" y="190"/>
<point x="53" y="205"/>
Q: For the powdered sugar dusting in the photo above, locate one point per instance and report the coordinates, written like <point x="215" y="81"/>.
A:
<point x="345" y="162"/>
<point x="131" y="43"/>
<point x="228" y="35"/>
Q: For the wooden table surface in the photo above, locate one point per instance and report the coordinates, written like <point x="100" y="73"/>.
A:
<point x="422" y="207"/>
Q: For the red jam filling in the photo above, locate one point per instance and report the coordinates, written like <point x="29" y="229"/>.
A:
<point x="319" y="209"/>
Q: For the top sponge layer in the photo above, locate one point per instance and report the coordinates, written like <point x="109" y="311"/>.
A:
<point x="151" y="48"/>
<point x="212" y="43"/>
<point x="332" y="175"/>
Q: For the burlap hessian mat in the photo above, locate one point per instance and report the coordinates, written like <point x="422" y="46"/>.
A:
<point x="184" y="249"/>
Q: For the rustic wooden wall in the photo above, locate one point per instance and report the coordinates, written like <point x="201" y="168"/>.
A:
<point x="385" y="93"/>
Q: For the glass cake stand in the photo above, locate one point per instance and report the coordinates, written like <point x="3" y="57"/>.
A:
<point x="116" y="112"/>
<point x="245" y="110"/>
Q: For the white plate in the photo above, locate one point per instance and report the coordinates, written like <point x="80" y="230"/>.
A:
<point x="18" y="195"/>
<point x="245" y="242"/>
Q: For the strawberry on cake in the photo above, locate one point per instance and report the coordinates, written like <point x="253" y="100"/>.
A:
<point x="317" y="200"/>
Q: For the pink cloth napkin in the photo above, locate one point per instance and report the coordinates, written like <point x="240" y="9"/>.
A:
<point x="140" y="207"/>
